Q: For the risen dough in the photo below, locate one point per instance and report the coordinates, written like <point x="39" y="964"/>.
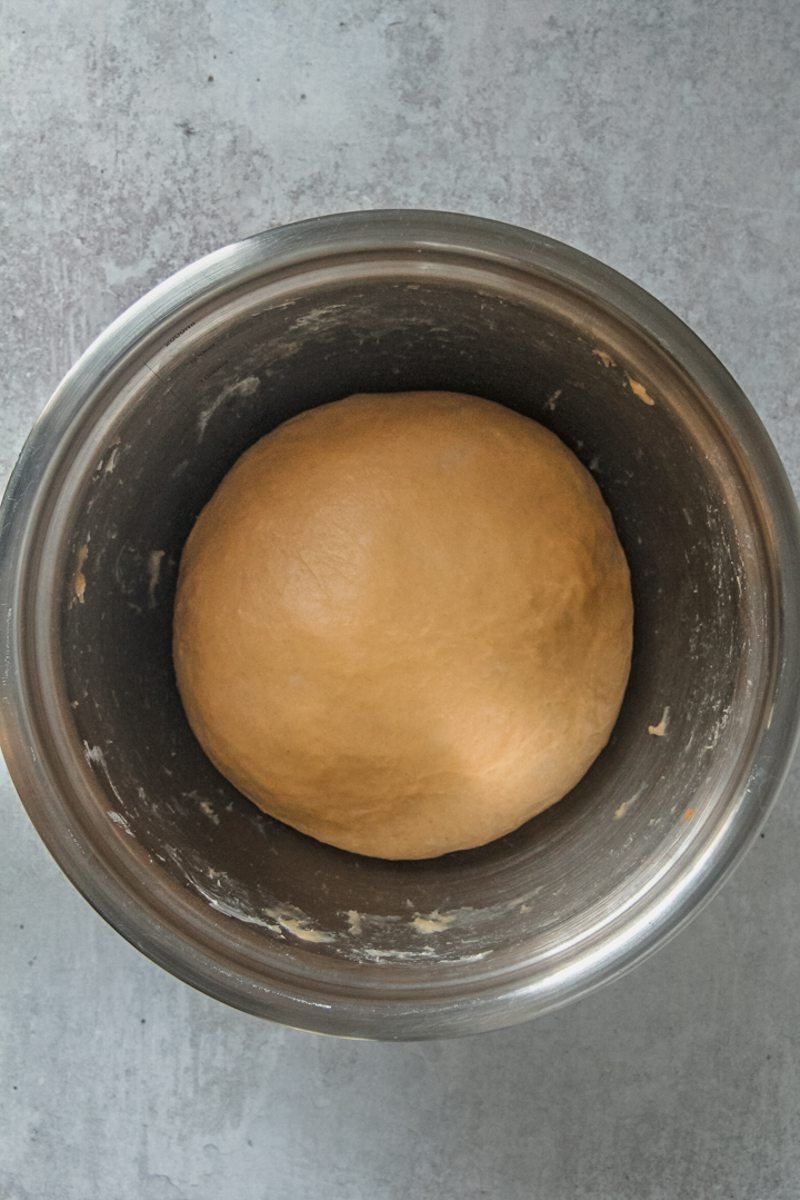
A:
<point x="404" y="623"/>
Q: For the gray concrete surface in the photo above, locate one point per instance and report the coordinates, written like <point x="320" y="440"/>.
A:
<point x="661" y="137"/>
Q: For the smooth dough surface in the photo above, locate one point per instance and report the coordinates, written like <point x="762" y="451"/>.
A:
<point x="404" y="623"/>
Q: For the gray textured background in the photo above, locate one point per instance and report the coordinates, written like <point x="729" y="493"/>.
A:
<point x="663" y="138"/>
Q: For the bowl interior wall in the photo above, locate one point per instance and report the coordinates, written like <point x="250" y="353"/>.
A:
<point x="284" y="893"/>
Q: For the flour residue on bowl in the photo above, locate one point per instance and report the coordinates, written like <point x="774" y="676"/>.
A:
<point x="435" y="922"/>
<point x="208" y="810"/>
<point x="154" y="560"/>
<point x="93" y="754"/>
<point x="623" y="809"/>
<point x="118" y="819"/>
<point x="227" y="907"/>
<point x="354" y="922"/>
<point x="719" y="727"/>
<point x="604" y="357"/>
<point x="79" y="577"/>
<point x="96" y="758"/>
<point x="639" y="390"/>
<point x="660" y="729"/>
<point x="357" y="936"/>
<point x="378" y="954"/>
<point x="108" y="463"/>
<point x="278" y="919"/>
<point x="299" y="926"/>
<point x="241" y="387"/>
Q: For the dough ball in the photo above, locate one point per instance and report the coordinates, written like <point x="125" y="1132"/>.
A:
<point x="404" y="623"/>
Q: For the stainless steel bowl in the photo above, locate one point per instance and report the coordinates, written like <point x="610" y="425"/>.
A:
<point x="133" y="443"/>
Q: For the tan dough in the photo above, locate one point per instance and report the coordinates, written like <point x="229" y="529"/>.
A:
<point x="404" y="623"/>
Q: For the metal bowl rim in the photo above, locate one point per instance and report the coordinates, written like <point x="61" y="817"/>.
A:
<point x="288" y="248"/>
